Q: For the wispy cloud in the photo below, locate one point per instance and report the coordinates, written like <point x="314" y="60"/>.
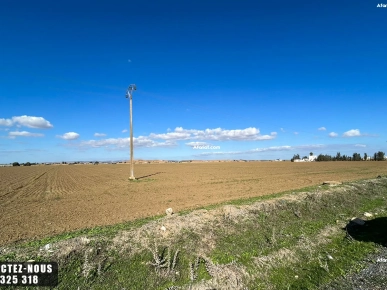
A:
<point x="333" y="134"/>
<point x="124" y="131"/>
<point x="69" y="136"/>
<point x="193" y="144"/>
<point x="6" y="122"/>
<point x="26" y="121"/>
<point x="282" y="130"/>
<point x="322" y="129"/>
<point x="218" y="134"/>
<point x="267" y="149"/>
<point x="99" y="134"/>
<point x="179" y="134"/>
<point x="4" y="152"/>
<point x="15" y="134"/>
<point x="123" y="143"/>
<point x="360" y="145"/>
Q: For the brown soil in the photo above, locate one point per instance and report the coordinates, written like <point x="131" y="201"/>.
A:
<point x="40" y="201"/>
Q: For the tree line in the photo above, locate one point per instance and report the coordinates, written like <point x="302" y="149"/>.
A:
<point x="23" y="164"/>
<point x="377" y="156"/>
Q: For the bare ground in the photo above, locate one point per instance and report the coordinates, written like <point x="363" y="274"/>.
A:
<point x="40" y="201"/>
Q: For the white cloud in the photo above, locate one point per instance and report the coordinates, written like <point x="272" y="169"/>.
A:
<point x="123" y="143"/>
<point x="27" y="121"/>
<point x="267" y="149"/>
<point x="322" y="129"/>
<point x="24" y="134"/>
<point x="333" y="134"/>
<point x="288" y="148"/>
<point x="360" y="145"/>
<point x="99" y="134"/>
<point x="218" y="134"/>
<point x="352" y="133"/>
<point x="273" y="148"/>
<point x="6" y="122"/>
<point x="296" y="133"/>
<point x="69" y="136"/>
<point x="124" y="131"/>
<point x="179" y="134"/>
<point x="193" y="144"/>
<point x="282" y="130"/>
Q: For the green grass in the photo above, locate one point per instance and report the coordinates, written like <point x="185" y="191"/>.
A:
<point x="289" y="244"/>
<point x="102" y="231"/>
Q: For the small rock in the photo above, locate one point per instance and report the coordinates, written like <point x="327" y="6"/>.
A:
<point x="169" y="211"/>
<point x="297" y="214"/>
<point x="330" y="257"/>
<point x="358" y="221"/>
<point x="163" y="228"/>
<point x="46" y="247"/>
<point x="85" y="240"/>
<point x="30" y="261"/>
<point x="367" y="214"/>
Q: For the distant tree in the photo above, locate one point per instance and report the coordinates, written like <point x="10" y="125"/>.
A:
<point x="320" y="157"/>
<point x="338" y="157"/>
<point x="27" y="164"/>
<point x="375" y="156"/>
<point x="380" y="156"/>
<point x="311" y="154"/>
<point x="15" y="164"/>
<point x="356" y="157"/>
<point x="295" y="156"/>
<point x="96" y="163"/>
<point x="305" y="157"/>
<point x="365" y="156"/>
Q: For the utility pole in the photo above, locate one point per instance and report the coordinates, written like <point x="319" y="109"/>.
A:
<point x="129" y="93"/>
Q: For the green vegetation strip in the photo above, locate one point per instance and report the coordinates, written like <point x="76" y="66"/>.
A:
<point x="295" y="241"/>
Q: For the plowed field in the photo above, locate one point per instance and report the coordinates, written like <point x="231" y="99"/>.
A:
<point x="39" y="201"/>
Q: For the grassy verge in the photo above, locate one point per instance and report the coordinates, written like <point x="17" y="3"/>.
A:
<point x="291" y="240"/>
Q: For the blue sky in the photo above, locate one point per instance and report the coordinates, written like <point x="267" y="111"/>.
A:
<point x="259" y="79"/>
